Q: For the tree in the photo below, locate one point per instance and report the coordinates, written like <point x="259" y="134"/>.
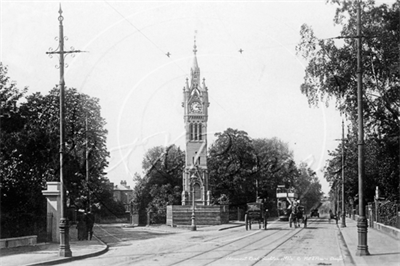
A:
<point x="331" y="74"/>
<point x="239" y="169"/>
<point x="232" y="166"/>
<point x="308" y="187"/>
<point x="243" y="168"/>
<point x="21" y="207"/>
<point x="161" y="184"/>
<point x="29" y="152"/>
<point x="275" y="166"/>
<point x="41" y="113"/>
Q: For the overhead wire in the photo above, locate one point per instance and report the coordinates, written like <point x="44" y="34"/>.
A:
<point x="167" y="54"/>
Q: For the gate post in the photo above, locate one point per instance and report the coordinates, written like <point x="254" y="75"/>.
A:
<point x="53" y="207"/>
<point x="49" y="226"/>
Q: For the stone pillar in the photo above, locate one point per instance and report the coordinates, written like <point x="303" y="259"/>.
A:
<point x="185" y="198"/>
<point x="53" y="210"/>
<point x="49" y="227"/>
<point x="203" y="196"/>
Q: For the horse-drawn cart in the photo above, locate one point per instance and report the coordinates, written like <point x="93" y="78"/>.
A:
<point x="255" y="213"/>
<point x="298" y="216"/>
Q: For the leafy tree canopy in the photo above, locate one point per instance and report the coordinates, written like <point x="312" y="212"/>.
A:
<point x="29" y="151"/>
<point x="161" y="184"/>
<point x="240" y="169"/>
<point x="243" y="168"/>
<point x="331" y="74"/>
<point x="232" y="166"/>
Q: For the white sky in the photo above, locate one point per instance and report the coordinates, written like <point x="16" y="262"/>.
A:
<point x="140" y="88"/>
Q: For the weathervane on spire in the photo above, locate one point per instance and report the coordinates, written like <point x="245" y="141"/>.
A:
<point x="195" y="47"/>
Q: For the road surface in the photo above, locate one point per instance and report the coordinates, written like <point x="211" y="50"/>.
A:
<point x="318" y="244"/>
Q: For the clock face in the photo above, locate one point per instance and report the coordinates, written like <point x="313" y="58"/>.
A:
<point x="196" y="107"/>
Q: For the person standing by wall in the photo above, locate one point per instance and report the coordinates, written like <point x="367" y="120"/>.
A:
<point x="89" y="225"/>
<point x="81" y="226"/>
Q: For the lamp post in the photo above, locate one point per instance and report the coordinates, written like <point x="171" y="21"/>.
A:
<point x="192" y="181"/>
<point x="362" y="247"/>
<point x="65" y="250"/>
<point x="337" y="201"/>
<point x="343" y="201"/>
<point x="256" y="189"/>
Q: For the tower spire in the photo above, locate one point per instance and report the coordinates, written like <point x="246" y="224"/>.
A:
<point x="195" y="67"/>
<point x="194" y="46"/>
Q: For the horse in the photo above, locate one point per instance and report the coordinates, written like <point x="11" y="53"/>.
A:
<point x="295" y="216"/>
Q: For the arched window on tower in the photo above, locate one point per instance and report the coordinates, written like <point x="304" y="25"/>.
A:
<point x="200" y="131"/>
<point x="195" y="131"/>
<point x="191" y="131"/>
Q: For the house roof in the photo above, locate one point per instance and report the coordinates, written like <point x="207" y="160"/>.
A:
<point x="122" y="187"/>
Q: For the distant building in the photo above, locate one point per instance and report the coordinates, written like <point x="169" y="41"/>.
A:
<point x="123" y="193"/>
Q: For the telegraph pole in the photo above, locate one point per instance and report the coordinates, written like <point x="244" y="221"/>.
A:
<point x="65" y="250"/>
<point x="342" y="170"/>
<point x="89" y="208"/>
<point x="362" y="248"/>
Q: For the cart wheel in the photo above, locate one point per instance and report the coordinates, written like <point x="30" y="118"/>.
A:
<point x="246" y="221"/>
<point x="250" y="221"/>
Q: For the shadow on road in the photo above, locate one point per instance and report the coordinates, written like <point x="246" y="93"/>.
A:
<point x="118" y="236"/>
<point x="383" y="254"/>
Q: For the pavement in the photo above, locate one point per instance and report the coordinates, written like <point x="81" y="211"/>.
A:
<point x="384" y="249"/>
<point x="47" y="253"/>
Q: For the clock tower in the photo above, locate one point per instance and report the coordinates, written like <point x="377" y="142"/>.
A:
<point x="195" y="104"/>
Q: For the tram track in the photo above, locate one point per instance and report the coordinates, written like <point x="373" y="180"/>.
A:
<point x="107" y="234"/>
<point x="153" y="255"/>
<point x="261" y="258"/>
<point x="216" y="240"/>
<point x="287" y="236"/>
<point x="216" y="245"/>
<point x="276" y="247"/>
<point x="220" y="246"/>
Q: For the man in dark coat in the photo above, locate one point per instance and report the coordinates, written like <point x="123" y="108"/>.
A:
<point x="81" y="226"/>
<point x="90" y="224"/>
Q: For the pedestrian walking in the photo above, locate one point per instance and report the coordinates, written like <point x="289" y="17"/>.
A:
<point x="90" y="224"/>
<point x="81" y="226"/>
<point x="266" y="216"/>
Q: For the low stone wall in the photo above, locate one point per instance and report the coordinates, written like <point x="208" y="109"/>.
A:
<point x="204" y="215"/>
<point x="392" y="231"/>
<point x="387" y="229"/>
<point x="18" y="241"/>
